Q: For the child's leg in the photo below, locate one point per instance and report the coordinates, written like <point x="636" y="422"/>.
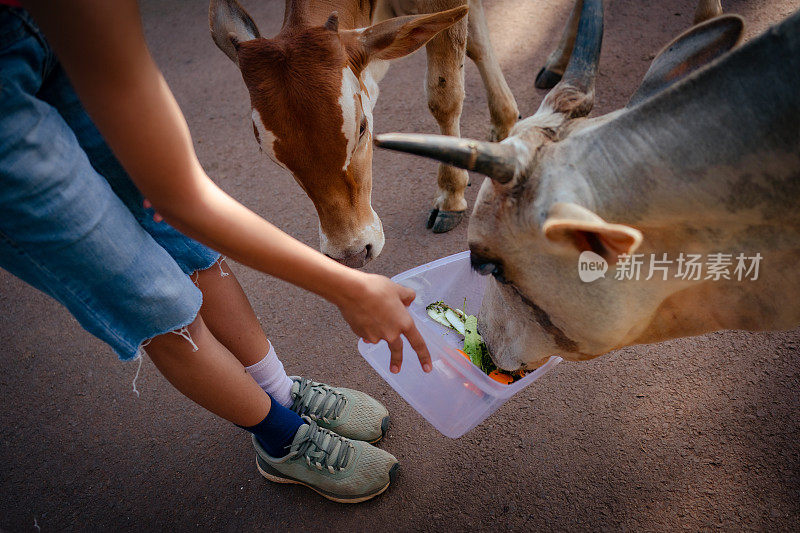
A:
<point x="201" y="368"/>
<point x="210" y="376"/>
<point x="230" y="317"/>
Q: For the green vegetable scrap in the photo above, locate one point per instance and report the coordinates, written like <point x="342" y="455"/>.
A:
<point x="474" y="347"/>
<point x="447" y="316"/>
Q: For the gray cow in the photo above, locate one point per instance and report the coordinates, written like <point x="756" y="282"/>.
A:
<point x="704" y="161"/>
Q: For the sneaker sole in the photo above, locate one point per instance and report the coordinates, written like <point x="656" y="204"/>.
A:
<point x="275" y="476"/>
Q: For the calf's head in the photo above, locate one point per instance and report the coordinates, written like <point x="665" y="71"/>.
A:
<point x="312" y="92"/>
<point x="533" y="219"/>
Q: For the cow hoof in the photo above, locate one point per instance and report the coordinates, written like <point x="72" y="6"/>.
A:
<point x="444" y="221"/>
<point x="432" y="218"/>
<point x="547" y="79"/>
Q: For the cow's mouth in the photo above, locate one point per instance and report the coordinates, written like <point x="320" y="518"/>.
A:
<point x="539" y="318"/>
<point x="543" y="319"/>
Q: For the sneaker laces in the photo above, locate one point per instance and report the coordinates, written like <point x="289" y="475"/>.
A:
<point x="322" y="448"/>
<point x="317" y="400"/>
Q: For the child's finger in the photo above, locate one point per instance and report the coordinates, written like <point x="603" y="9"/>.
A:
<point x="418" y="344"/>
<point x="407" y="295"/>
<point x="396" y="359"/>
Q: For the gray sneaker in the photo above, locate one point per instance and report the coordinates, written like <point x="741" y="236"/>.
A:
<point x="340" y="469"/>
<point x="350" y="413"/>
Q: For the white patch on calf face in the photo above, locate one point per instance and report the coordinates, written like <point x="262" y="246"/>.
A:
<point x="338" y="248"/>
<point x="368" y="96"/>
<point x="323" y="241"/>
<point x="373" y="234"/>
<point x="357" y="100"/>
<point x="266" y="139"/>
<point x="367" y="103"/>
<point x="370" y="77"/>
<point x="350" y="87"/>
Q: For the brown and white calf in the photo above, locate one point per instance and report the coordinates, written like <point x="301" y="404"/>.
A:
<point x="314" y="85"/>
<point x="704" y="160"/>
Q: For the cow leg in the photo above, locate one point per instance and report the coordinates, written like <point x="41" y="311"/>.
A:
<point x="556" y="64"/>
<point x="502" y="106"/>
<point x="707" y="9"/>
<point x="445" y="91"/>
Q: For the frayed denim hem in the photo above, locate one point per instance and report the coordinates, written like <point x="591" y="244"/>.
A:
<point x="181" y="329"/>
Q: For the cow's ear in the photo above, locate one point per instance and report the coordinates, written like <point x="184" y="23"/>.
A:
<point x="573" y="226"/>
<point x="400" y="36"/>
<point x="690" y="51"/>
<point x="230" y="25"/>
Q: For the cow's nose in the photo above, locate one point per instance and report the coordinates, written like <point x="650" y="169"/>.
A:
<point x="359" y="259"/>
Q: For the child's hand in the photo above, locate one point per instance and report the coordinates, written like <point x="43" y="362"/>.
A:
<point x="378" y="312"/>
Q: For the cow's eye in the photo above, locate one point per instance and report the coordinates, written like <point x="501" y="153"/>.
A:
<point x="499" y="275"/>
<point x="363" y="129"/>
<point x="484" y="267"/>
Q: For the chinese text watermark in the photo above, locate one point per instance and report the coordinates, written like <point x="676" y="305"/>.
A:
<point x="685" y="267"/>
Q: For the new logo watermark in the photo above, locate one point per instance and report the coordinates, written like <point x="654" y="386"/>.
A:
<point x="591" y="267"/>
<point x="686" y="267"/>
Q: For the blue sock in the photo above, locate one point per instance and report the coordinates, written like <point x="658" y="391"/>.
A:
<point x="276" y="432"/>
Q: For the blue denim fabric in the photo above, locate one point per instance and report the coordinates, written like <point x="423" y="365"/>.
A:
<point x="71" y="221"/>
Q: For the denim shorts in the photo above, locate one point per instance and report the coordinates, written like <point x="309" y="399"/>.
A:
<point x="72" y="223"/>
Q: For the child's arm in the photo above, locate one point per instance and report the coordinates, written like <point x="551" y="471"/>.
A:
<point x="102" y="48"/>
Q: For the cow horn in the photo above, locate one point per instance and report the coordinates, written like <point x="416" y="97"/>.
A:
<point x="332" y="24"/>
<point x="582" y="68"/>
<point x="500" y="161"/>
<point x="574" y="94"/>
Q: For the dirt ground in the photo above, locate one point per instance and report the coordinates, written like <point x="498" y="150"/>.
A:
<point x="697" y="433"/>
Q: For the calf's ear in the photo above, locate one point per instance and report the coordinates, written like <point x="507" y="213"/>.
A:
<point x="230" y="24"/>
<point x="573" y="226"/>
<point x="400" y="36"/>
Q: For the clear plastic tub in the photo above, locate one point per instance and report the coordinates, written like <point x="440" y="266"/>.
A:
<point x="456" y="395"/>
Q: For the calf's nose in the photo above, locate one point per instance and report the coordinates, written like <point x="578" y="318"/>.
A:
<point x="357" y="260"/>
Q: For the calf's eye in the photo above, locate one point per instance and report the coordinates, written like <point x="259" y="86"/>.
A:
<point x="363" y="129"/>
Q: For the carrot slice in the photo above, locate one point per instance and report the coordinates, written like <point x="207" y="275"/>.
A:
<point x="501" y="377"/>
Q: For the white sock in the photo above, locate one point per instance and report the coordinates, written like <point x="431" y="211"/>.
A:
<point x="270" y="376"/>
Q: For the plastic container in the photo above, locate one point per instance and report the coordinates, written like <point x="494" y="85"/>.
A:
<point x="456" y="395"/>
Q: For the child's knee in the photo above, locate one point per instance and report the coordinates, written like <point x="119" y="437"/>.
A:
<point x="191" y="332"/>
<point x="178" y="342"/>
<point x="219" y="269"/>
